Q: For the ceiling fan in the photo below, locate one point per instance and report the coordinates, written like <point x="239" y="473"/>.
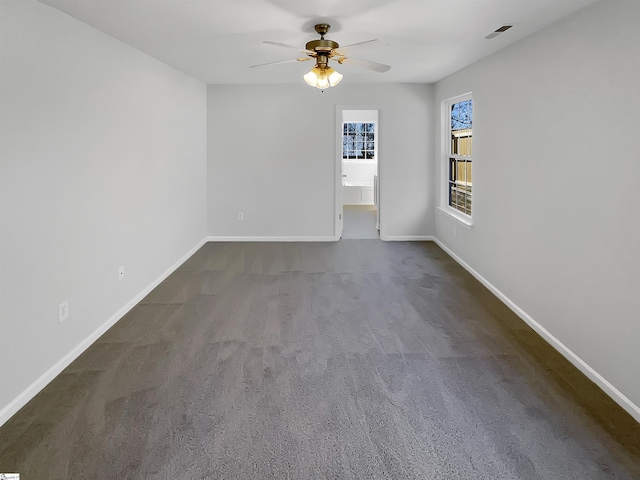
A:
<point x="322" y="75"/>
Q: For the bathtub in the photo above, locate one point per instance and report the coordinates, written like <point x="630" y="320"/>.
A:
<point x="357" y="193"/>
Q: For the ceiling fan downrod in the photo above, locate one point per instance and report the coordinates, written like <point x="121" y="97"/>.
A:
<point x="322" y="45"/>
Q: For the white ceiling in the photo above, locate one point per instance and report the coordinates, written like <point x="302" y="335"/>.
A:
<point x="216" y="40"/>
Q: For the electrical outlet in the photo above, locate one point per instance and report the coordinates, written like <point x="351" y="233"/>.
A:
<point x="240" y="216"/>
<point x="121" y="273"/>
<point x="63" y="311"/>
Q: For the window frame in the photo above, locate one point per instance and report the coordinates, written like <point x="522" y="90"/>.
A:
<point x="375" y="144"/>
<point x="446" y="160"/>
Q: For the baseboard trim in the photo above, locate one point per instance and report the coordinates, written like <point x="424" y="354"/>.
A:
<point x="407" y="238"/>
<point x="32" y="390"/>
<point x="230" y="238"/>
<point x="593" y="375"/>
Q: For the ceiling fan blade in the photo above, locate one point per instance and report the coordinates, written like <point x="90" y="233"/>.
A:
<point x="301" y="59"/>
<point x="376" y="67"/>
<point x="347" y="49"/>
<point x="285" y="45"/>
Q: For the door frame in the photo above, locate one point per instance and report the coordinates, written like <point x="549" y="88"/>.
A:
<point x="337" y="184"/>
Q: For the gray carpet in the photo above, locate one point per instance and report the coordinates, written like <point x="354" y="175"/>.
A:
<point x="355" y="359"/>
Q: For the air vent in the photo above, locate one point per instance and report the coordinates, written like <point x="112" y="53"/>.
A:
<point x="502" y="29"/>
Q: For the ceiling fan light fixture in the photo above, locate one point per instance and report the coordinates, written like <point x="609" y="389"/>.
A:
<point x="312" y="77"/>
<point x="322" y="77"/>
<point x="323" y="82"/>
<point x="334" y="76"/>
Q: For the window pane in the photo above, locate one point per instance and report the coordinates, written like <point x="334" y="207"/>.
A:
<point x="460" y="169"/>
<point x="462" y="115"/>
<point x="452" y="194"/>
<point x="460" y="172"/>
<point x="461" y="128"/>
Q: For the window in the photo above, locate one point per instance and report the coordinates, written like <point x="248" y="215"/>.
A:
<point x="358" y="141"/>
<point x="459" y="154"/>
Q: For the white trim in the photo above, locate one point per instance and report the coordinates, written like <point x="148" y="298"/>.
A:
<point x="595" y="377"/>
<point x="337" y="182"/>
<point x="358" y="161"/>
<point x="408" y="238"/>
<point x="230" y="238"/>
<point x="459" y="217"/>
<point x="32" y="390"/>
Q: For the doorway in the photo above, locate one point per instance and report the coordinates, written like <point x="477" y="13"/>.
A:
<point x="358" y="167"/>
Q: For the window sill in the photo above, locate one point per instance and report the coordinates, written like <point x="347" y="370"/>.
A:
<point x="460" y="218"/>
<point x="359" y="161"/>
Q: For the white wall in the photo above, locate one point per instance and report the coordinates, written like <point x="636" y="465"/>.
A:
<point x="359" y="171"/>
<point x="271" y="155"/>
<point x="556" y="173"/>
<point x="103" y="163"/>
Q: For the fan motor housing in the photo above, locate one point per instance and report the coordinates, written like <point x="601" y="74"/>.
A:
<point x="321" y="45"/>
